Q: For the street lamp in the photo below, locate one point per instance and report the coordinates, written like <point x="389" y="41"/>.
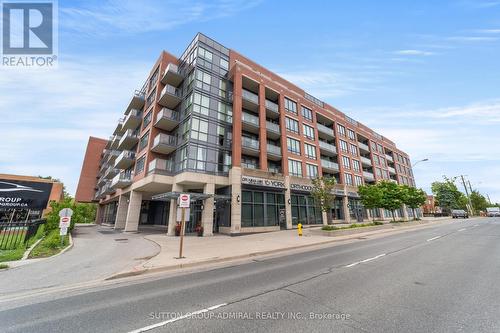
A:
<point x="424" y="160"/>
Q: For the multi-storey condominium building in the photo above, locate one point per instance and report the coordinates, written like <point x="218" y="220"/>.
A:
<point x="242" y="140"/>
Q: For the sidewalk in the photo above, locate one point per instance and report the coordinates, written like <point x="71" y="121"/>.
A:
<point x="219" y="248"/>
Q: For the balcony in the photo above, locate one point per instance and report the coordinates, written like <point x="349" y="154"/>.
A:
<point x="132" y="120"/>
<point x="110" y="172"/>
<point x="160" y="166"/>
<point x="107" y="189"/>
<point x="366" y="161"/>
<point x="164" y="143"/>
<point x="167" y="119"/>
<point x="115" y="141"/>
<point x="329" y="165"/>
<point x="324" y="131"/>
<point x="272" y="109"/>
<point x="273" y="152"/>
<point x="125" y="159"/>
<point x="363" y="146"/>
<point x="113" y="154"/>
<point x="368" y="176"/>
<point x="172" y="75"/>
<point x="128" y="140"/>
<point x="122" y="180"/>
<point x="137" y="102"/>
<point x="327" y="148"/>
<point x="101" y="181"/>
<point x="170" y="97"/>
<point x="391" y="170"/>
<point x="389" y="158"/>
<point x="250" y="100"/>
<point x="250" y="122"/>
<point x="273" y="130"/>
<point x="250" y="146"/>
<point x="119" y="129"/>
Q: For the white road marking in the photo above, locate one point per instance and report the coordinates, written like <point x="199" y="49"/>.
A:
<point x="433" y="238"/>
<point x="475" y="225"/>
<point x="366" y="260"/>
<point x="463" y="229"/>
<point x="166" y="322"/>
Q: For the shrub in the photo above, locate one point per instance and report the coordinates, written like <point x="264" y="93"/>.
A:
<point x="329" y="228"/>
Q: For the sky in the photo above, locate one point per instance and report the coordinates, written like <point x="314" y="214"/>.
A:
<point x="423" y="73"/>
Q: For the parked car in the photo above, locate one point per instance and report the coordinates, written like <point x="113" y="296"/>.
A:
<point x="493" y="211"/>
<point x="456" y="213"/>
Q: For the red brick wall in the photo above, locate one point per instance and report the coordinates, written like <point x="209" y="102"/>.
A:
<point x="90" y="168"/>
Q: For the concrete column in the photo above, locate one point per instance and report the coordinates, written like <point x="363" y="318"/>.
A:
<point x="288" y="205"/>
<point x="347" y="215"/>
<point x="382" y="213"/>
<point x="235" y="179"/>
<point x="172" y="214"/>
<point x="121" y="212"/>
<point x="98" y="214"/>
<point x="237" y="116"/>
<point x="284" y="149"/>
<point x="134" y="211"/>
<point x="405" y="213"/>
<point x="262" y="128"/>
<point x="369" y="214"/>
<point x="207" y="216"/>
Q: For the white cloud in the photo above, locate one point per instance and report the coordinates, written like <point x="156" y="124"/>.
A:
<point x="488" y="31"/>
<point x="414" y="52"/>
<point x="472" y="39"/>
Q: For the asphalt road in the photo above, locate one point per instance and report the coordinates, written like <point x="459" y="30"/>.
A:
<point x="439" y="279"/>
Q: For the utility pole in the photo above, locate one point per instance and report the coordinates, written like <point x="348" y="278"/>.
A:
<point x="470" y="187"/>
<point x="467" y="193"/>
<point x="488" y="196"/>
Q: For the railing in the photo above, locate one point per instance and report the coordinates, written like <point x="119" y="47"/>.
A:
<point x="249" y="118"/>
<point x="126" y="154"/>
<point x="368" y="175"/>
<point x="327" y="146"/>
<point x="272" y="106"/>
<point x="272" y="149"/>
<point x="16" y="233"/>
<point x="273" y="127"/>
<point x="160" y="166"/>
<point x="389" y="157"/>
<point x="168" y="114"/>
<point x="329" y="164"/>
<point x="391" y="169"/>
<point x="363" y="146"/>
<point x="250" y="96"/>
<point x="171" y="90"/>
<point x="366" y="160"/>
<point x="171" y="68"/>
<point x="250" y="143"/>
<point x="124" y="176"/>
<point x="325" y="129"/>
<point x="166" y="139"/>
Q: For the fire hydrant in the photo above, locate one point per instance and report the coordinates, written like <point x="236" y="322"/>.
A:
<point x="299" y="229"/>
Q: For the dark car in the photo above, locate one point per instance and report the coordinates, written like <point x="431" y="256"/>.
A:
<point x="456" y="213"/>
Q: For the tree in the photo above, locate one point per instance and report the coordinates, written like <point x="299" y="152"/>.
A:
<point x="371" y="197"/>
<point x="448" y="196"/>
<point x="413" y="198"/>
<point x="82" y="213"/>
<point x="479" y="202"/>
<point x="324" y="195"/>
<point x="392" y="196"/>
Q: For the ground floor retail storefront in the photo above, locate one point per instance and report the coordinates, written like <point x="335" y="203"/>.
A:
<point x="245" y="202"/>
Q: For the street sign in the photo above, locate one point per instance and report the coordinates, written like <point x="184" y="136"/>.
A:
<point x="66" y="212"/>
<point x="186" y="215"/>
<point x="63" y="231"/>
<point x="184" y="200"/>
<point x="64" y="222"/>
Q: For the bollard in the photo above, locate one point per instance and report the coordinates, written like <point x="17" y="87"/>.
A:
<point x="299" y="229"/>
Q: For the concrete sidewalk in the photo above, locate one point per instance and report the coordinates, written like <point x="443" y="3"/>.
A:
<point x="220" y="248"/>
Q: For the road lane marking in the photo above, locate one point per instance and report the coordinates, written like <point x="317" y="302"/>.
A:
<point x="463" y="229"/>
<point x="366" y="260"/>
<point x="476" y="225"/>
<point x="166" y="322"/>
<point x="433" y="238"/>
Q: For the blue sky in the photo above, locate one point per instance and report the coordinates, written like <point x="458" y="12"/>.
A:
<point x="423" y="73"/>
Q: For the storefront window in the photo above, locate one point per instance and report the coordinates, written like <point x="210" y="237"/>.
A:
<point x="305" y="210"/>
<point x="261" y="208"/>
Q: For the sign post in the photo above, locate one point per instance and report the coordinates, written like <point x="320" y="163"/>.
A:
<point x="64" y="222"/>
<point x="184" y="202"/>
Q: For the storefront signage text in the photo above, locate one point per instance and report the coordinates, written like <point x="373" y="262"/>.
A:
<point x="262" y="182"/>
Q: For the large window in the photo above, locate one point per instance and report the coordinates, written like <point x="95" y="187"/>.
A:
<point x="293" y="145"/>
<point x="147" y="119"/>
<point x="203" y="80"/>
<point x="305" y="210"/>
<point x="310" y="151"/>
<point x="358" y="180"/>
<point x="292" y="125"/>
<point x="260" y="208"/>
<point x="199" y="129"/>
<point x="343" y="146"/>
<point x="351" y="134"/>
<point x="201" y="103"/>
<point x="348" y="179"/>
<point x="144" y="141"/>
<point x="307" y="113"/>
<point x="346" y="162"/>
<point x="139" y="165"/>
<point x="311" y="170"/>
<point x="295" y="168"/>
<point x="355" y="165"/>
<point x="207" y="55"/>
<point x="290" y="106"/>
<point x="341" y="130"/>
<point x="308" y="131"/>
<point x="353" y="149"/>
<point x="249" y="162"/>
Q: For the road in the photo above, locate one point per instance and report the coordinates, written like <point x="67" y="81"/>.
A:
<point x="438" y="279"/>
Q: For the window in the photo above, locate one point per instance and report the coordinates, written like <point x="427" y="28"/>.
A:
<point x="144" y="141"/>
<point x="358" y="180"/>
<point x="351" y="134"/>
<point x="204" y="53"/>
<point x="139" y="165"/>
<point x="382" y="161"/>
<point x="305" y="210"/>
<point x="201" y="103"/>
<point x="310" y="151"/>
<point x="199" y="129"/>
<point x="376" y="160"/>
<point x="203" y="80"/>
<point x="290" y="105"/>
<point x="293" y="145"/>
<point x="348" y="179"/>
<point x="308" y="131"/>
<point x="151" y="97"/>
<point x="147" y="119"/>
<point x="261" y="208"/>
<point x="380" y="149"/>
<point x="378" y="172"/>
<point x="341" y="130"/>
<point x="224" y="64"/>
<point x="249" y="162"/>
<point x="154" y="78"/>
<point x="200" y="157"/>
<point x="312" y="170"/>
<point x="355" y="165"/>
<point x="295" y="168"/>
<point x="353" y="149"/>
<point x="346" y="162"/>
<point x="343" y="146"/>
<point x="307" y="113"/>
<point x="292" y="125"/>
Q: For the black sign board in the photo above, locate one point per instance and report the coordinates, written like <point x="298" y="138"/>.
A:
<point x="17" y="194"/>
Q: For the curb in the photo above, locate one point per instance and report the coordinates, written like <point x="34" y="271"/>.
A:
<point x="158" y="269"/>
<point x="28" y="251"/>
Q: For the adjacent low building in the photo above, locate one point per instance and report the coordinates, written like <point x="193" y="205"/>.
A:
<point x="242" y="140"/>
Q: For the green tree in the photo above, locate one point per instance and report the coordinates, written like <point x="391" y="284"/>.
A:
<point x="414" y="198"/>
<point x="82" y="213"/>
<point x="324" y="195"/>
<point x="448" y="196"/>
<point x="392" y="196"/>
<point x="371" y="197"/>
<point x="479" y="202"/>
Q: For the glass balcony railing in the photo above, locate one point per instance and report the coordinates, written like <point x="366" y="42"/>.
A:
<point x="363" y="146"/>
<point x="325" y="129"/>
<point x="327" y="146"/>
<point x="250" y="143"/>
<point x="329" y="164"/>
<point x="273" y="127"/>
<point x="272" y="149"/>
<point x="250" y="96"/>
<point x="250" y="119"/>
<point x="271" y="106"/>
